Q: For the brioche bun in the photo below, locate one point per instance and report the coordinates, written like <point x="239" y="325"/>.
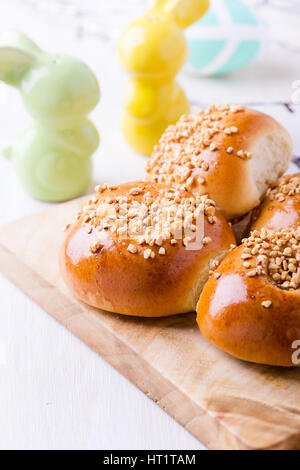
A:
<point x="154" y="274"/>
<point x="230" y="153"/>
<point x="250" y="307"/>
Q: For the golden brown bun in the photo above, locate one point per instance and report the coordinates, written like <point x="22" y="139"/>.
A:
<point x="231" y="154"/>
<point x="119" y="281"/>
<point x="281" y="206"/>
<point x="252" y="318"/>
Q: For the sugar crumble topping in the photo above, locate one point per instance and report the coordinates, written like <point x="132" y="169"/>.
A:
<point x="276" y="254"/>
<point x="287" y="185"/>
<point x="147" y="218"/>
<point x="180" y="148"/>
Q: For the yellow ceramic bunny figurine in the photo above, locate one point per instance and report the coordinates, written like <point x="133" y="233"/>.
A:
<point x="153" y="49"/>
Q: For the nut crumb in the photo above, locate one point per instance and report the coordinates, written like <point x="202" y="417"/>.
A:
<point x="266" y="304"/>
<point x="206" y="240"/>
<point x="132" y="248"/>
<point x="147" y="253"/>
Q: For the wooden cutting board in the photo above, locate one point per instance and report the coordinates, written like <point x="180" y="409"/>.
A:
<point x="225" y="403"/>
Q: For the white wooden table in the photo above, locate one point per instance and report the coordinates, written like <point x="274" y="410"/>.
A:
<point x="55" y="393"/>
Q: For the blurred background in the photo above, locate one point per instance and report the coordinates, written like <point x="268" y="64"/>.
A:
<point x="91" y="29"/>
<point x="55" y="392"/>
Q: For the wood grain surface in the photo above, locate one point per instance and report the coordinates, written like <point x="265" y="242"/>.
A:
<point x="225" y="403"/>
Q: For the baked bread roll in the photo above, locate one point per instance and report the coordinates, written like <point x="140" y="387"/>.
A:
<point x="230" y="153"/>
<point x="250" y="307"/>
<point x="281" y="206"/>
<point x="153" y="266"/>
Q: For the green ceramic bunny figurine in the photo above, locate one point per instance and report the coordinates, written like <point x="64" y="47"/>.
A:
<point x="52" y="158"/>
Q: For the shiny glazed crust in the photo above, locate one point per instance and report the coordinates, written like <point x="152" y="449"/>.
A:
<point x="233" y="313"/>
<point x="280" y="208"/>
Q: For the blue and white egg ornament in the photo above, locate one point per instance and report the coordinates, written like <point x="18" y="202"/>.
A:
<point x="227" y="38"/>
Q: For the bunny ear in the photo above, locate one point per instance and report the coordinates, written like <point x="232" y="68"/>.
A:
<point x="184" y="12"/>
<point x="17" y="53"/>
